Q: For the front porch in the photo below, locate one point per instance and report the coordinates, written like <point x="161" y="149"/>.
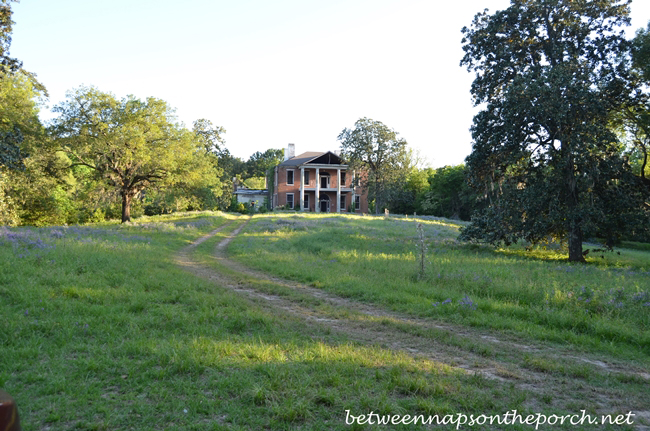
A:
<point x="326" y="202"/>
<point x="323" y="188"/>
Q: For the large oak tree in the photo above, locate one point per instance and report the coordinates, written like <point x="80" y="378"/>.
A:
<point x="375" y="148"/>
<point x="130" y="143"/>
<point x="548" y="75"/>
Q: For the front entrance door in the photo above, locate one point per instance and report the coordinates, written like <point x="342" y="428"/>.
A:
<point x="324" y="204"/>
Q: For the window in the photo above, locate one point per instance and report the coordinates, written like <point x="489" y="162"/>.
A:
<point x="342" y="203"/>
<point x="324" y="182"/>
<point x="342" y="179"/>
<point x="305" y="202"/>
<point x="290" y="177"/>
<point x="290" y="200"/>
<point x="306" y="178"/>
<point x="357" y="202"/>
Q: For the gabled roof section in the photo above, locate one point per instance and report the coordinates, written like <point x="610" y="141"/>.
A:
<point x="301" y="158"/>
<point x="328" y="158"/>
<point x="250" y="192"/>
<point x="311" y="157"/>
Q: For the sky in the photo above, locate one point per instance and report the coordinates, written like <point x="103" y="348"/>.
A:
<point x="271" y="72"/>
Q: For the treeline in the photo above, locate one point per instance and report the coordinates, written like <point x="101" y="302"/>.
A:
<point x="108" y="158"/>
<point x="103" y="157"/>
<point x="392" y="175"/>
<point x="441" y="192"/>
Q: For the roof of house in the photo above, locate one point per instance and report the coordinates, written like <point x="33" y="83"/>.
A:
<point x="328" y="158"/>
<point x="250" y="192"/>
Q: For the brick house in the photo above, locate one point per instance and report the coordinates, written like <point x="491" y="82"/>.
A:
<point x="317" y="182"/>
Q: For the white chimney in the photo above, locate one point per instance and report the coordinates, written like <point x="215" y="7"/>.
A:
<point x="290" y="153"/>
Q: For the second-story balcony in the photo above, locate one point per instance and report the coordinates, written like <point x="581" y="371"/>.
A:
<point x="329" y="189"/>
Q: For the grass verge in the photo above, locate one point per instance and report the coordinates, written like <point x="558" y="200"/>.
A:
<point x="102" y="331"/>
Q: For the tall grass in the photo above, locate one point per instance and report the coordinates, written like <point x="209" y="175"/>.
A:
<point x="102" y="331"/>
<point x="603" y="306"/>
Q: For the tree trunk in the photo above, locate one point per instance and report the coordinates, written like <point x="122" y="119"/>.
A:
<point x="574" y="220"/>
<point x="126" y="206"/>
<point x="575" y="242"/>
<point x="377" y="195"/>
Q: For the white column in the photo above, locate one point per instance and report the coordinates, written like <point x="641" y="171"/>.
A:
<point x="302" y="188"/>
<point x="338" y="190"/>
<point x="317" y="190"/>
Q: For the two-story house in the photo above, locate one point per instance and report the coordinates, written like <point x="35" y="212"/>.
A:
<point x="318" y="182"/>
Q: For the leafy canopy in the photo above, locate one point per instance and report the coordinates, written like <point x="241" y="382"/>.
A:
<point x="375" y="148"/>
<point x="6" y="24"/>
<point x="130" y="143"/>
<point x="549" y="73"/>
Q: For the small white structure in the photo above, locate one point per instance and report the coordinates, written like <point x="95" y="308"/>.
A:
<point x="246" y="196"/>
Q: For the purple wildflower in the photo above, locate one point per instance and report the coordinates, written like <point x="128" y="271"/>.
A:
<point x="467" y="303"/>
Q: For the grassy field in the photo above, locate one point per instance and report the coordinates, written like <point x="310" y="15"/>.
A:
<point x="103" y="330"/>
<point x="603" y="306"/>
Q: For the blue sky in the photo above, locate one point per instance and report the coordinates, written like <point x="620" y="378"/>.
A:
<point x="271" y="72"/>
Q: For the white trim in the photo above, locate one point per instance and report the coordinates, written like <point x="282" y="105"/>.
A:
<point x="317" y="195"/>
<point x="357" y="207"/>
<point x="338" y="190"/>
<point x="325" y="198"/>
<point x="293" y="177"/>
<point x="293" y="202"/>
<point x="322" y="166"/>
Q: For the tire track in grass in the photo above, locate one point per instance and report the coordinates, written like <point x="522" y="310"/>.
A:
<point x="456" y="346"/>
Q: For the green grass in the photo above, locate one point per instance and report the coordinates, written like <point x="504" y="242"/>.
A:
<point x="600" y="307"/>
<point x="103" y="331"/>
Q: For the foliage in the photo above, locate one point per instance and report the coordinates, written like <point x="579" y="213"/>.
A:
<point x="251" y="173"/>
<point x="230" y="167"/>
<point x="255" y="183"/>
<point x="373" y="147"/>
<point x="241" y="208"/>
<point x="259" y="163"/>
<point x="6" y="23"/>
<point x="21" y="146"/>
<point x="130" y="143"/>
<point x="550" y="74"/>
<point x="640" y="48"/>
<point x="633" y="119"/>
<point x="8" y="213"/>
<point x="448" y="194"/>
<point x="404" y="186"/>
<point x="270" y="185"/>
<point x="210" y="137"/>
<point x="18" y="116"/>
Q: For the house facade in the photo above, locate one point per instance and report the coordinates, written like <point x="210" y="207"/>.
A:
<point x="317" y="182"/>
